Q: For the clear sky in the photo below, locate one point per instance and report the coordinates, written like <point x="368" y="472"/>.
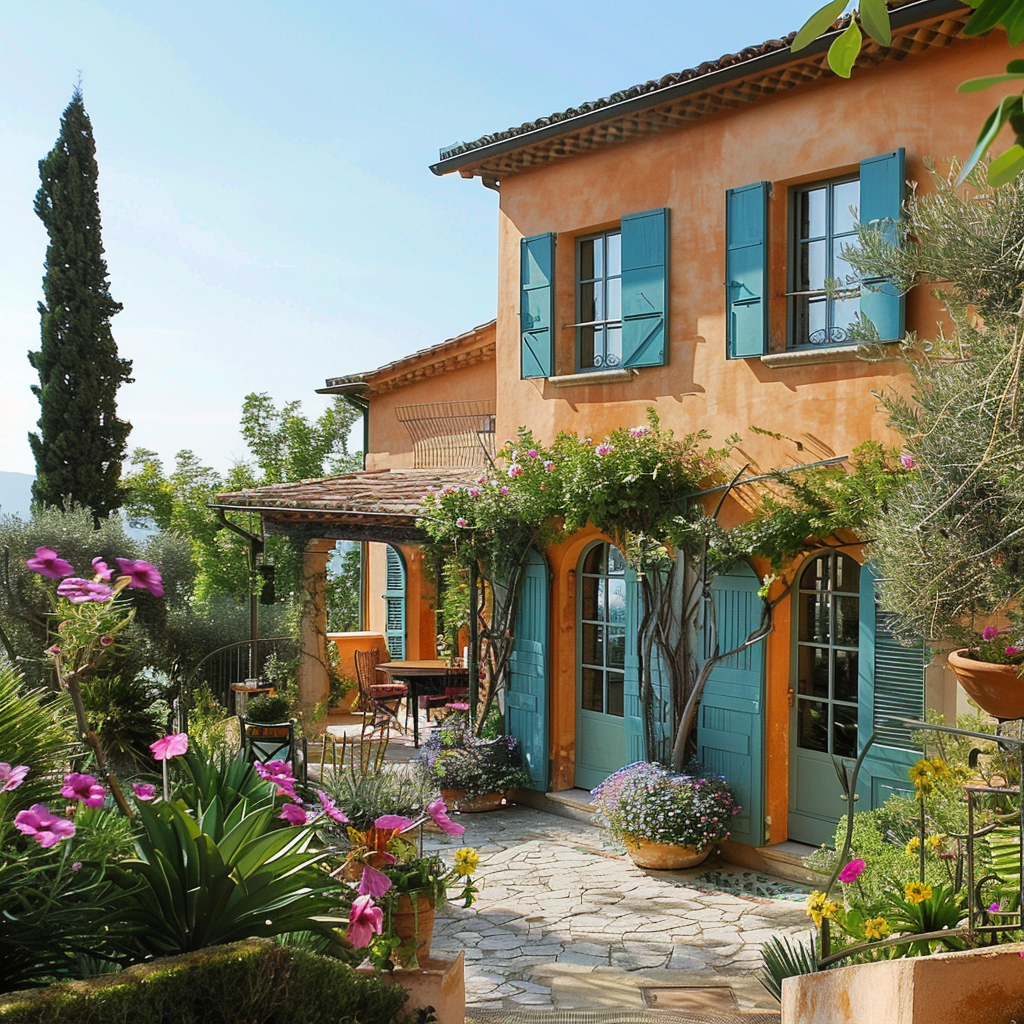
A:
<point x="268" y="213"/>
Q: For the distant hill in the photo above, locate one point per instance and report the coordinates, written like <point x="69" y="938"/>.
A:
<point x="15" y="493"/>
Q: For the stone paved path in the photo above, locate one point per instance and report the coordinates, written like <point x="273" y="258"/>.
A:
<point x="565" y="920"/>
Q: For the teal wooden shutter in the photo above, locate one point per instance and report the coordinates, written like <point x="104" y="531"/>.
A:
<point x="632" y="718"/>
<point x="394" y="604"/>
<point x="645" y="288"/>
<point x="526" y="699"/>
<point x="882" y="181"/>
<point x="536" y="305"/>
<point x="746" y="271"/>
<point x="890" y="684"/>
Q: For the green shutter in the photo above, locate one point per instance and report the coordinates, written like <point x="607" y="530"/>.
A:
<point x="394" y="604"/>
<point x="746" y="271"/>
<point x="882" y="181"/>
<point x="645" y="288"/>
<point x="536" y="305"/>
<point x="632" y="720"/>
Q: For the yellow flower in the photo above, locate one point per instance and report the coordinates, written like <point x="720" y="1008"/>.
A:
<point x="936" y="842"/>
<point x="466" y="861"/>
<point x="920" y="772"/>
<point x="913" y="846"/>
<point x="939" y="767"/>
<point x="819" y="906"/>
<point x="876" y="928"/>
<point x="917" y="892"/>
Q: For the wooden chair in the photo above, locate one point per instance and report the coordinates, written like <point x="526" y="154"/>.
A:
<point x="377" y="699"/>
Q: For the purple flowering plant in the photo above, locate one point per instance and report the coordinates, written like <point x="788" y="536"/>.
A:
<point x="998" y="646"/>
<point x="645" y="801"/>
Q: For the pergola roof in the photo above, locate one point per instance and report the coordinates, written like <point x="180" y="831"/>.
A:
<point x="381" y="505"/>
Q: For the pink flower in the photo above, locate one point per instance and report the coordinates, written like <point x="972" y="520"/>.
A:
<point x="852" y="871"/>
<point x="11" y="778"/>
<point x="639" y="431"/>
<point x="84" y="788"/>
<point x="364" y="921"/>
<point x="462" y="522"/>
<point x="330" y="808"/>
<point x="53" y="650"/>
<point x="439" y="812"/>
<point x="170" y="746"/>
<point x="1012" y="652"/>
<point x="549" y="466"/>
<point x="373" y="882"/>
<point x="482" y="479"/>
<point x="79" y="591"/>
<point x="106" y="641"/>
<point x="474" y="492"/>
<point x="45" y="828"/>
<point x="604" y="449"/>
<point x="515" y="470"/>
<point x="503" y="491"/>
<point x="392" y="823"/>
<point x="458" y="705"/>
<point x="990" y="633"/>
<point x="994" y="908"/>
<point x="908" y="461"/>
<point x="76" y="866"/>
<point x="293" y="814"/>
<point x="48" y="563"/>
<point x="144" y="791"/>
<point x="280" y="774"/>
<point x="532" y="453"/>
<point x="142" y="575"/>
<point x="103" y="571"/>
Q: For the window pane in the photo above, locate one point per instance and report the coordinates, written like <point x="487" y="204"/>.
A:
<point x="598" y="244"/>
<point x="811" y="214"/>
<point x="586" y="347"/>
<point x="847" y="574"/>
<point x="813" y="678"/>
<point x="616" y="563"/>
<point x="810" y="322"/>
<point x="844" y="196"/>
<point x="594" y="562"/>
<point x="815" y="576"/>
<point x="845" y="679"/>
<point x="812" y="725"/>
<point x="812" y="266"/>
<point x="616" y="694"/>
<point x="614" y="308"/>
<point x="592" y="696"/>
<point x="814" y="624"/>
<point x="613" y="346"/>
<point x="844" y="731"/>
<point x="847" y="621"/>
<point x="616" y="648"/>
<point x="587" y="260"/>
<point x="591" y="645"/>
<point x="614" y="255"/>
<point x="842" y="272"/>
<point x="588" y="303"/>
<point x="844" y="313"/>
<point x="617" y="600"/>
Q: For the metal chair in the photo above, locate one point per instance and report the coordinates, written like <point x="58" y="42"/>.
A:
<point x="279" y="741"/>
<point x="375" y="698"/>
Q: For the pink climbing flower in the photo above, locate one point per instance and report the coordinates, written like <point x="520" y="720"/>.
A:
<point x="330" y="808"/>
<point x="48" y="563"/>
<point x="438" y="810"/>
<point x="532" y="453"/>
<point x="639" y="431"/>
<point x="604" y="449"/>
<point x="503" y="491"/>
<point x="46" y="828"/>
<point x="293" y="814"/>
<point x="549" y="466"/>
<point x="144" y="791"/>
<point x="83" y="788"/>
<point x="373" y="882"/>
<point x="364" y="921"/>
<point x="142" y="576"/>
<point x="103" y="571"/>
<point x="852" y="871"/>
<point x="515" y="470"/>
<point x="170" y="746"/>
<point x="11" y="778"/>
<point x="462" y="522"/>
<point x="908" y="461"/>
<point x="474" y="492"/>
<point x="80" y="591"/>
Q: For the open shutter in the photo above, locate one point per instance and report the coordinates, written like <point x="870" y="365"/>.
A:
<point x="890" y="684"/>
<point x="746" y="271"/>
<point x="882" y="181"/>
<point x="394" y="603"/>
<point x="632" y="718"/>
<point x="645" y="288"/>
<point x="536" y="305"/>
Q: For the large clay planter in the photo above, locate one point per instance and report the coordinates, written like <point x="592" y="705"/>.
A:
<point x="665" y="856"/>
<point x="997" y="689"/>
<point x="457" y="799"/>
<point x="409" y="920"/>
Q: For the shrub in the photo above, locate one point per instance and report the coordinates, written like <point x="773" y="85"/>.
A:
<point x="271" y="708"/>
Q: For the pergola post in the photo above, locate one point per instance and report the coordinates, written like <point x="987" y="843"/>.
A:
<point x="313" y="680"/>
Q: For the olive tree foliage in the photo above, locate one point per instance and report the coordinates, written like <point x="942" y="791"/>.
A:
<point x="950" y="541"/>
<point x="872" y="17"/>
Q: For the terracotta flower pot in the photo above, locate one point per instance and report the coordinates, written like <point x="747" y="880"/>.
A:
<point x="665" y="856"/>
<point x="414" y="920"/>
<point x="457" y="799"/>
<point x="997" y="689"/>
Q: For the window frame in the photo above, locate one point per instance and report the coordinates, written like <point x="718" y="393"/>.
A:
<point x="578" y="283"/>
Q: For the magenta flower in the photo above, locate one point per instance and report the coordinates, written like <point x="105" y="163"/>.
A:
<point x="48" y="563"/>
<point x="639" y="431"/>
<point x="373" y="882"/>
<point x="79" y="591"/>
<point x="462" y="522"/>
<point x="991" y="632"/>
<point x="170" y="746"/>
<point x="144" y="791"/>
<point x="330" y="808"/>
<point x="84" y="788"/>
<point x="11" y="778"/>
<point x="439" y="812"/>
<point x="474" y="492"/>
<point x="364" y="921"/>
<point x="142" y="576"/>
<point x="1012" y="652"/>
<point x="392" y="822"/>
<point x="852" y="871"/>
<point x="604" y="449"/>
<point x="55" y="650"/>
<point x="503" y="491"/>
<point x="515" y="470"/>
<point x="45" y="828"/>
<point x="549" y="466"/>
<point x="293" y="814"/>
<point x="532" y="453"/>
<point x="458" y="705"/>
<point x="908" y="461"/>
<point x="103" y="571"/>
<point x="994" y="908"/>
<point x="280" y="774"/>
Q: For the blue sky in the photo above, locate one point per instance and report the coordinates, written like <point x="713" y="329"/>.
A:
<point x="268" y="213"/>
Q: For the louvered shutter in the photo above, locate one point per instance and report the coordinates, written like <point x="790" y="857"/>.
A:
<point x="394" y="603"/>
<point x="882" y="181"/>
<point x="645" y="288"/>
<point x="632" y="720"/>
<point x="536" y="305"/>
<point x="746" y="271"/>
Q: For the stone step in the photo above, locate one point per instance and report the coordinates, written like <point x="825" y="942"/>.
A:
<point x="568" y="803"/>
<point x="787" y="861"/>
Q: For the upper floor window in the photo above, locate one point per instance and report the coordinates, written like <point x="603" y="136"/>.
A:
<point x="599" y="301"/>
<point x="824" y="287"/>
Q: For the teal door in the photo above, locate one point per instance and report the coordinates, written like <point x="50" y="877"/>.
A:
<point x="602" y="598"/>
<point x="526" y="699"/>
<point x="730" y="722"/>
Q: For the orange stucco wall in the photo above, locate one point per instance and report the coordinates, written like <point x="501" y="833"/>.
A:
<point x="420" y="629"/>
<point x="810" y="133"/>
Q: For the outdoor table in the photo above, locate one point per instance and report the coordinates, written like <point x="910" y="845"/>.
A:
<point x="423" y="677"/>
<point x="243" y="693"/>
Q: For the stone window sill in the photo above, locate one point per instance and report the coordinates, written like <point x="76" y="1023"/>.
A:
<point x="833" y="354"/>
<point x="569" y="380"/>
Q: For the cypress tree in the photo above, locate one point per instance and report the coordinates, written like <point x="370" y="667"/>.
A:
<point x="81" y="442"/>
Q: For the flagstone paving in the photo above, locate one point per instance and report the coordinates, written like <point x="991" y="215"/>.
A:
<point x="565" y="920"/>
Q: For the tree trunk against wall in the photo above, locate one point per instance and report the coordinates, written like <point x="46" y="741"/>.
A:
<point x="313" y="680"/>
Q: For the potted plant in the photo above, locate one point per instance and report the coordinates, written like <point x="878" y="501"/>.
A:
<point x="989" y="669"/>
<point x="473" y="774"/>
<point x="667" y="821"/>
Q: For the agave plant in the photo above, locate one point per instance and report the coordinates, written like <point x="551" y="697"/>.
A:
<point x="785" y="958"/>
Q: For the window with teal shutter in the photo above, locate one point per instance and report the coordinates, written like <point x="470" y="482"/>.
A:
<point x="394" y="605"/>
<point x="746" y="273"/>
<point x="536" y="305"/>
<point x="882" y="180"/>
<point x="645" y="288"/>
